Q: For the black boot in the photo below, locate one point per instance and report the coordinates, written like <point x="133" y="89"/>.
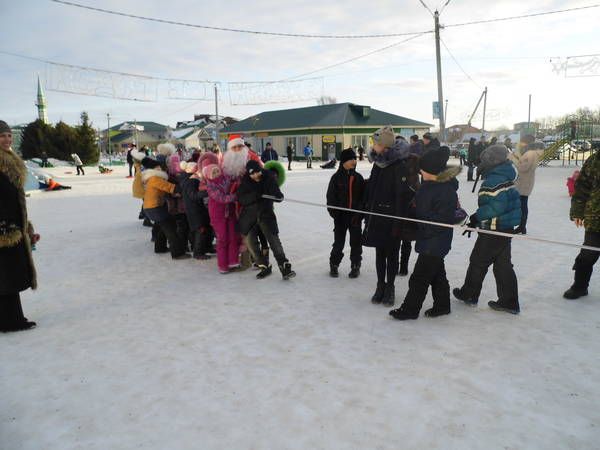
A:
<point x="573" y="293"/>
<point x="333" y="271"/>
<point x="286" y="271"/>
<point x="265" y="271"/>
<point x="403" y="314"/>
<point x="458" y="293"/>
<point x="389" y="295"/>
<point x="354" y="272"/>
<point x="147" y="222"/>
<point x="436" y="312"/>
<point x="497" y="306"/>
<point x="378" y="295"/>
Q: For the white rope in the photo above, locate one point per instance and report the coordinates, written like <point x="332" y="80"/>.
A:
<point x="439" y="224"/>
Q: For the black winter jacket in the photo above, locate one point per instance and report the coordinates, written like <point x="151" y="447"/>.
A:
<point x="391" y="190"/>
<point x="255" y="208"/>
<point x="437" y="201"/>
<point x="193" y="199"/>
<point x="434" y="144"/>
<point x="339" y="193"/>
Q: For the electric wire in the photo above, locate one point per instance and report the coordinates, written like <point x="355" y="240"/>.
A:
<point x="458" y="64"/>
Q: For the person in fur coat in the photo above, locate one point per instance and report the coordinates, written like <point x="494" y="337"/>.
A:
<point x="137" y="187"/>
<point x="156" y="188"/>
<point x="17" y="271"/>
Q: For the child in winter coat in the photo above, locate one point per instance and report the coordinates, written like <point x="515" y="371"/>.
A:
<point x="499" y="210"/>
<point x="436" y="201"/>
<point x="585" y="211"/>
<point x="156" y="188"/>
<point x="258" y="214"/>
<point x="346" y="189"/>
<point x="222" y="211"/>
<point x="196" y="211"/>
<point x="571" y="182"/>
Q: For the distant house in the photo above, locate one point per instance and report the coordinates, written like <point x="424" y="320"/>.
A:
<point x="527" y="127"/>
<point x="455" y="133"/>
<point x="192" y="137"/>
<point x="141" y="133"/>
<point x="328" y="128"/>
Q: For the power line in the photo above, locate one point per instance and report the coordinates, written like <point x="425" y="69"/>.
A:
<point x="524" y="16"/>
<point x="426" y="7"/>
<point x="444" y="7"/>
<point x="458" y="64"/>
<point x="346" y="61"/>
<point x="240" y="30"/>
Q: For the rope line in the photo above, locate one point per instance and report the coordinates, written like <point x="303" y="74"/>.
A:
<point x="439" y="224"/>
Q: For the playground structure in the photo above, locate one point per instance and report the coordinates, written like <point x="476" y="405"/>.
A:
<point x="576" y="140"/>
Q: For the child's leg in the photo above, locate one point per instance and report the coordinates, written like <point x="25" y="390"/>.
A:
<point x="339" y="240"/>
<point x="425" y="271"/>
<point x="355" y="245"/>
<point x="440" y="289"/>
<point x="254" y="246"/>
<point x="506" y="279"/>
<point x="381" y="264"/>
<point x="222" y="244"/>
<point x="482" y="256"/>
<point x="274" y="243"/>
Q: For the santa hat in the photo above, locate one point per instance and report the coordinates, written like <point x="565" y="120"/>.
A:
<point x="207" y="159"/>
<point x="235" y="139"/>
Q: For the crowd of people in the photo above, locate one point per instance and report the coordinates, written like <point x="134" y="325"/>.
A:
<point x="214" y="203"/>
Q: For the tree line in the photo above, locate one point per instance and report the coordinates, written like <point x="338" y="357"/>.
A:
<point x="60" y="141"/>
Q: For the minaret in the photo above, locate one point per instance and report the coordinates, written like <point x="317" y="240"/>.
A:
<point x="41" y="103"/>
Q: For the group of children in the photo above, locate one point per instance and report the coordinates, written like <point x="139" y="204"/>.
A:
<point x="433" y="199"/>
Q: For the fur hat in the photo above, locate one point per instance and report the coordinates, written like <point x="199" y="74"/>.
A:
<point x="435" y="161"/>
<point x="165" y="149"/>
<point x="493" y="156"/>
<point x="235" y="139"/>
<point x="211" y="171"/>
<point x="385" y="136"/>
<point x="207" y="159"/>
<point x="149" y="163"/>
<point x="347" y="155"/>
<point x="277" y="168"/>
<point x="4" y="128"/>
<point x="428" y="136"/>
<point x="137" y="155"/>
<point x="188" y="167"/>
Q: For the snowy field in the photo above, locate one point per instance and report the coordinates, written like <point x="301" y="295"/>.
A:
<point x="134" y="350"/>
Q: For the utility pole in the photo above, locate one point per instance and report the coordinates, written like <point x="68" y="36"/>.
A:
<point x="216" y="115"/>
<point x="529" y="115"/>
<point x="436" y="18"/>
<point x="484" y="108"/>
<point x="446" y="110"/>
<point x="108" y="136"/>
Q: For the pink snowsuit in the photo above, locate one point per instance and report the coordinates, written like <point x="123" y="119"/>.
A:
<point x="222" y="211"/>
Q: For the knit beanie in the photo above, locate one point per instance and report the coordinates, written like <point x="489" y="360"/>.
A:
<point x="347" y="155"/>
<point x="435" y="161"/>
<point x="492" y="156"/>
<point x="4" y="128"/>
<point x="252" y="166"/>
<point x="149" y="163"/>
<point x="385" y="136"/>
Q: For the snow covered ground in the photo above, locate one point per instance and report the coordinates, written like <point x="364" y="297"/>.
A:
<point x="134" y="350"/>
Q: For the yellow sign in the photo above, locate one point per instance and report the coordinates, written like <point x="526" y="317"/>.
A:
<point x="262" y="135"/>
<point x="328" y="139"/>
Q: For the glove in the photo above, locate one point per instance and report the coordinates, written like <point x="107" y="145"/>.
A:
<point x="473" y="222"/>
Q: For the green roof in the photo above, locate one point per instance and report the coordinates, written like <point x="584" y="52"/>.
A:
<point x="148" y="126"/>
<point x="323" y="116"/>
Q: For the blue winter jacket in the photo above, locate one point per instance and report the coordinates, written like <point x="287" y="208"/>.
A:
<point x="498" y="199"/>
<point x="308" y="151"/>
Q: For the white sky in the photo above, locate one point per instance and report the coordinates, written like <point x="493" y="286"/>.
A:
<point x="401" y="80"/>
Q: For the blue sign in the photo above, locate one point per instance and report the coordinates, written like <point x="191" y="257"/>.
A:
<point x="436" y="110"/>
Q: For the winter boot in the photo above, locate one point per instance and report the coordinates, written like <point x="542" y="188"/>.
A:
<point x="436" y="312"/>
<point x="147" y="222"/>
<point x="354" y="272"/>
<point x="25" y="325"/>
<point x="333" y="271"/>
<point x="378" y="295"/>
<point x="496" y="306"/>
<point x="286" y="271"/>
<point x="245" y="262"/>
<point x="574" y="293"/>
<point x="403" y="314"/>
<point x="265" y="271"/>
<point x="389" y="295"/>
<point x="458" y="293"/>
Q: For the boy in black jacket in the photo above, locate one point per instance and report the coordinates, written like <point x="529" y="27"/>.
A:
<point x="436" y="201"/>
<point x="258" y="214"/>
<point x="346" y="189"/>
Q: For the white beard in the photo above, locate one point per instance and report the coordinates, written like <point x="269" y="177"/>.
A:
<point x="234" y="163"/>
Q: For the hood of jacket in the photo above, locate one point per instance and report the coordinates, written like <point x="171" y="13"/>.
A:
<point x="149" y="173"/>
<point x="400" y="150"/>
<point x="506" y="170"/>
<point x="13" y="167"/>
<point x="449" y="174"/>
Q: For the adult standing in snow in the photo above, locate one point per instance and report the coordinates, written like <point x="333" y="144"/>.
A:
<point x="269" y="154"/>
<point x="290" y="156"/>
<point x="17" y="271"/>
<point x="585" y="211"/>
<point x="430" y="142"/>
<point x="132" y="147"/>
<point x="526" y="163"/>
<point x="472" y="158"/>
<point x="390" y="190"/>
<point x="308" y="154"/>
<point x="78" y="163"/>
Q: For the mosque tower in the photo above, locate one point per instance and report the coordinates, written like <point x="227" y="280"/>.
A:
<point x="41" y="103"/>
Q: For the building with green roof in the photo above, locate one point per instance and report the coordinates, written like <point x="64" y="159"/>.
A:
<point x="328" y="128"/>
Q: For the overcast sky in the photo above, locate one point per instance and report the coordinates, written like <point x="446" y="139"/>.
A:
<point x="510" y="58"/>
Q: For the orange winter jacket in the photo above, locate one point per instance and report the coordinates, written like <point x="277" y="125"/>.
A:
<point x="156" y="187"/>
